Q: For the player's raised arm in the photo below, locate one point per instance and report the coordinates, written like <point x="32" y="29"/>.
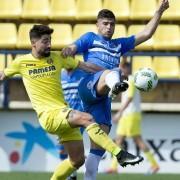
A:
<point x="152" y="25"/>
<point x="79" y="46"/>
<point x="69" y="50"/>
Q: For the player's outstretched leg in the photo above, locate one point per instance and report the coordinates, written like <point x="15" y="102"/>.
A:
<point x="101" y="138"/>
<point x="124" y="158"/>
<point x="117" y="88"/>
<point x="114" y="81"/>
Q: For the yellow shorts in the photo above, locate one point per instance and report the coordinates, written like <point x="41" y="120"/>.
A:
<point x="55" y="122"/>
<point x="129" y="125"/>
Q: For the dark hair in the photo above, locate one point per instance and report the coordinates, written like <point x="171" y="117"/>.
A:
<point x="38" y="30"/>
<point x="106" y="13"/>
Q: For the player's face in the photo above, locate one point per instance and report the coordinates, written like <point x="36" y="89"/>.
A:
<point x="106" y="27"/>
<point x="42" y="46"/>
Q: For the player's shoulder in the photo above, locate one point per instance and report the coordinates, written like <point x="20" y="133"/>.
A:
<point x="59" y="58"/>
<point x="119" y="40"/>
<point x="89" y="35"/>
<point x="24" y="56"/>
<point x="123" y="38"/>
<point x="56" y="53"/>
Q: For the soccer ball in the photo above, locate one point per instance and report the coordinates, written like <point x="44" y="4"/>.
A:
<point x="145" y="79"/>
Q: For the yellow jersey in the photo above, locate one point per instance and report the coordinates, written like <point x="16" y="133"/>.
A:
<point x="132" y="92"/>
<point x="41" y="78"/>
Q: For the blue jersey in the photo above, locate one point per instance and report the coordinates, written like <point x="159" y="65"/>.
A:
<point x="101" y="51"/>
<point x="70" y="82"/>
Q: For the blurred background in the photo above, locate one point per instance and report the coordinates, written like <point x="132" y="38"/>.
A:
<point x="19" y="128"/>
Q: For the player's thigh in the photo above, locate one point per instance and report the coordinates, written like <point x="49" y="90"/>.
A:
<point x="78" y="118"/>
<point x="89" y="87"/>
<point x="101" y="111"/>
<point x="130" y="125"/>
<point x="101" y="86"/>
<point x="64" y="131"/>
<point x="134" y="125"/>
<point x="56" y="122"/>
<point x="75" y="150"/>
<point x="122" y="126"/>
<point x="106" y="129"/>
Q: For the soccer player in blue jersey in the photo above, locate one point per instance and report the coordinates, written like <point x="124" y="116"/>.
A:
<point x="70" y="81"/>
<point x="103" y="51"/>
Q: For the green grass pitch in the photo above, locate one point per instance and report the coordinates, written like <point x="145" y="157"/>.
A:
<point x="46" y="176"/>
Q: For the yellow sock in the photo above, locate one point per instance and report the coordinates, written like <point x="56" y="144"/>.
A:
<point x="114" y="163"/>
<point x="150" y="158"/>
<point x="101" y="138"/>
<point x="63" y="170"/>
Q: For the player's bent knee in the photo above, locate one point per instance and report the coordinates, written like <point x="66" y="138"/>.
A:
<point x="80" y="118"/>
<point x="85" y="117"/>
<point x="88" y="119"/>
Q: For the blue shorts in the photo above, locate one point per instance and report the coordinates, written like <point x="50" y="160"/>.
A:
<point x="98" y="106"/>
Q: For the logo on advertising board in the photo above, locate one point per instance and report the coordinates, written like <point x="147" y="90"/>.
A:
<point x="32" y="136"/>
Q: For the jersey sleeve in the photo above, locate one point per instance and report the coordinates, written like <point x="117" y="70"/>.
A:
<point x="69" y="63"/>
<point x="84" y="42"/>
<point x="131" y="89"/>
<point x="126" y="43"/>
<point x="13" y="69"/>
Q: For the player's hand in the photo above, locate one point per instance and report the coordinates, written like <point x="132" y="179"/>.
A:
<point x="69" y="51"/>
<point x="163" y="6"/>
<point x="117" y="117"/>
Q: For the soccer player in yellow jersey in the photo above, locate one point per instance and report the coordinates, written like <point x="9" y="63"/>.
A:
<point x="40" y="71"/>
<point x="129" y="121"/>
